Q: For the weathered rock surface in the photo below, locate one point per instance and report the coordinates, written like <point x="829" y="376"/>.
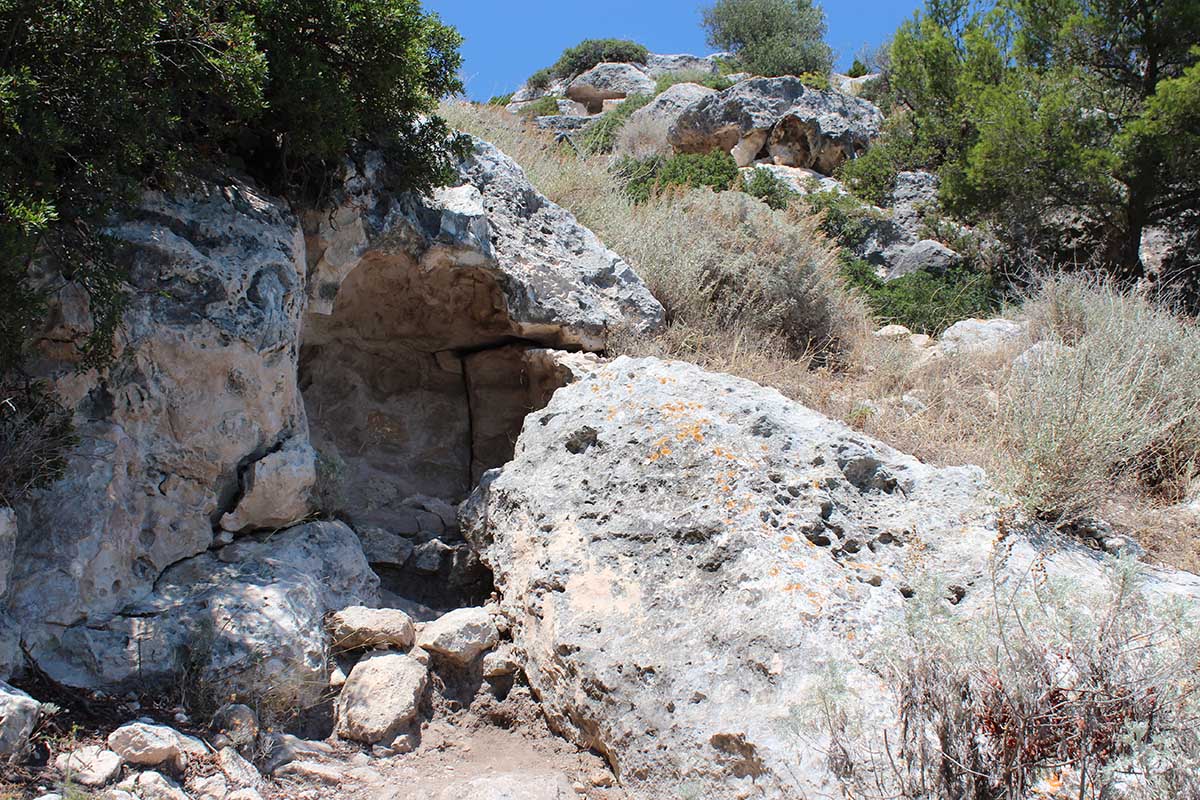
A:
<point x="780" y="120"/>
<point x="658" y="64"/>
<point x="609" y="81"/>
<point x="381" y="697"/>
<point x="276" y="489"/>
<point x="248" y="617"/>
<point x="852" y="86"/>
<point x="928" y="256"/>
<point x="18" y="714"/>
<point x="683" y="556"/>
<point x="10" y="640"/>
<point x="404" y="288"/>
<point x="90" y="765"/>
<point x="148" y="745"/>
<point x="668" y="106"/>
<point x="461" y="635"/>
<point x="154" y="786"/>
<point x="204" y="382"/>
<point x="981" y="336"/>
<point x="358" y="628"/>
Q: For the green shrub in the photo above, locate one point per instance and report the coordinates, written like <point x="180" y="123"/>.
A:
<point x="542" y="107"/>
<point x="770" y="189"/>
<point x="587" y="54"/>
<point x="922" y="301"/>
<point x="601" y="135"/>
<point x="857" y="69"/>
<point x="718" y="82"/>
<point x="771" y="37"/>
<point x="540" y="80"/>
<point x="845" y="218"/>
<point x="815" y="80"/>
<point x="716" y="170"/>
<point x="501" y="100"/>
<point x="99" y="98"/>
<point x="872" y="176"/>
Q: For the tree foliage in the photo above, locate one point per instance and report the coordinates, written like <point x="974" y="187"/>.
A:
<point x="1048" y="116"/>
<point x="771" y="37"/>
<point x="99" y="98"/>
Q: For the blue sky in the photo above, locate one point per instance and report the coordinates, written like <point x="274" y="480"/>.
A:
<point x="506" y="41"/>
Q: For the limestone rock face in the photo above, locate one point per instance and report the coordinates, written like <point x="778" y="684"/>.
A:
<point x="380" y="697"/>
<point x="18" y="714"/>
<point x="411" y="384"/>
<point x="609" y="81"/>
<point x="667" y="63"/>
<point x="799" y="179"/>
<point x="781" y="120"/>
<point x="204" y="382"/>
<point x="249" y="616"/>
<point x="277" y="491"/>
<point x="668" y="106"/>
<point x="8" y="545"/>
<point x="682" y="555"/>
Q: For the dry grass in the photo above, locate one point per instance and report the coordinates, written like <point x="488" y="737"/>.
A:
<point x="643" y="137"/>
<point x="1107" y="425"/>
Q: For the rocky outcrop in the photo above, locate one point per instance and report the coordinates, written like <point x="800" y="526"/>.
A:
<point x="684" y="556"/>
<point x="412" y="362"/>
<point x="658" y="64"/>
<point x="204" y="385"/>
<point x="609" y="81"/>
<point x="666" y="108"/>
<point x="779" y="120"/>
<point x="798" y="179"/>
<point x="853" y="86"/>
<point x="248" y="618"/>
<point x="982" y="336"/>
<point x="926" y="255"/>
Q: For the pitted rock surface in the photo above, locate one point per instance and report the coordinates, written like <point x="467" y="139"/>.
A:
<point x="781" y="120"/>
<point x="683" y="555"/>
<point x="250" y="617"/>
<point x="204" y="382"/>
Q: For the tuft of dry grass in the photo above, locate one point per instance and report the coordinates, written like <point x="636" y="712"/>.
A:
<point x="643" y="137"/>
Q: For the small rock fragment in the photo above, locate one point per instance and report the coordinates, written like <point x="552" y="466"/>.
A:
<point x="380" y="697"/>
<point x="358" y="628"/>
<point x="460" y="636"/>
<point x="148" y="745"/>
<point x="89" y="766"/>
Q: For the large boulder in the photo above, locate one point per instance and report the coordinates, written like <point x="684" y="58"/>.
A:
<point x="609" y="81"/>
<point x="686" y="558"/>
<point x="248" y="617"/>
<point x="668" y="106"/>
<point x="780" y="120"/>
<point x="203" y="385"/>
